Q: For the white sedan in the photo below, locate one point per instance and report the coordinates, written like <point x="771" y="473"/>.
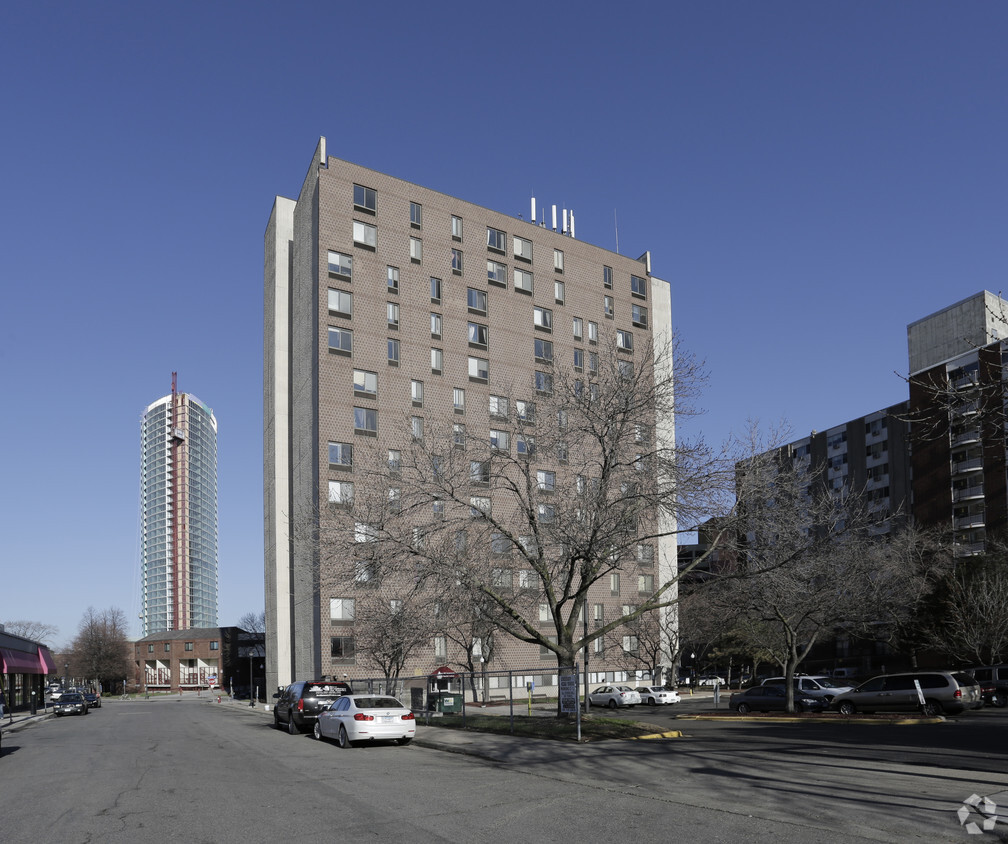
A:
<point x="613" y="696"/>
<point x="364" y="717"/>
<point x="654" y="695"/>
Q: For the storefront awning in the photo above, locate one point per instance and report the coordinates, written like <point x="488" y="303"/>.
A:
<point x="19" y="662"/>
<point x="45" y="658"/>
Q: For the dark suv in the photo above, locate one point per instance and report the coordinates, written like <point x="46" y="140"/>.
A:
<point x="299" y="704"/>
<point x="993" y="680"/>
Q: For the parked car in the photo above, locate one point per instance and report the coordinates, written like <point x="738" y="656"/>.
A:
<point x="710" y="680"/>
<point x="364" y="717"/>
<point x="844" y="673"/>
<point x="993" y="680"/>
<point x="93" y="700"/>
<point x="772" y="699"/>
<point x="812" y="686"/>
<point x="612" y="696"/>
<point x="70" y="703"/>
<point x="633" y="694"/>
<point x="943" y="691"/>
<point x="298" y="706"/>
<point x="655" y="695"/>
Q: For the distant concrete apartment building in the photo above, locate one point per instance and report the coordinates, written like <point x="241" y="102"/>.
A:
<point x="384" y="299"/>
<point x="178" y="489"/>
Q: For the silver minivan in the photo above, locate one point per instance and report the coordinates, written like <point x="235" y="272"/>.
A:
<point x="943" y="691"/>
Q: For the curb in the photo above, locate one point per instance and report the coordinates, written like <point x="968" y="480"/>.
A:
<point x="792" y="719"/>
<point x="649" y="737"/>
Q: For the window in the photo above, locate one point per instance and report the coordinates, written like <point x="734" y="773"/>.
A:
<point x="479" y="473"/>
<point x="416" y="392"/>
<point x="546" y="481"/>
<point x="416" y="427"/>
<point x="607" y="277"/>
<point x="392" y="312"/>
<point x="558" y="292"/>
<point x="456" y="228"/>
<point x="436" y="360"/>
<point x="167" y="647"/>
<point x="479" y="505"/>
<point x="625" y="369"/>
<point x="188" y="646"/>
<point x="458" y="399"/>
<point x="592" y="332"/>
<point x="393" y="279"/>
<point x="645" y="555"/>
<point x="340" y="340"/>
<point x="543" y="350"/>
<point x="638" y="287"/>
<point x="416" y="250"/>
<point x="394" y="460"/>
<point x="525" y="446"/>
<point x="479" y="369"/>
<point x="526" y="579"/>
<point x="500" y="544"/>
<point x="630" y="644"/>
<point x="592" y="362"/>
<point x="340" y="454"/>
<point x="456" y="261"/>
<point x="440" y="642"/>
<point x="435" y="326"/>
<point x="364" y="234"/>
<point x="477" y="300"/>
<point x="525" y="411"/>
<point x="624" y="341"/>
<point x="477" y="335"/>
<point x="544" y="613"/>
<point x="500" y="440"/>
<point x="340" y="493"/>
<point x="458" y="435"/>
<point x="578" y="328"/>
<point x="340" y="265"/>
<point x="557" y="260"/>
<point x="341" y="303"/>
<point x="562" y="451"/>
<point x="645" y="583"/>
<point x="543" y="382"/>
<point x="579" y="360"/>
<point x="395" y="499"/>
<point x="393" y="352"/>
<point x="523" y="280"/>
<point x="543" y="318"/>
<point x="638" y="315"/>
<point x="607" y="306"/>
<point x="364" y="198"/>
<point x="496" y="240"/>
<point x="502" y="579"/>
<point x="415" y="214"/>
<point x="499" y="406"/>
<point x="342" y="609"/>
<point x="522" y="248"/>
<point x="215" y="645"/>
<point x="365" y="420"/>
<point x="497" y="273"/>
<point x="342" y="649"/>
<point x="435" y="290"/>
<point x="614" y="583"/>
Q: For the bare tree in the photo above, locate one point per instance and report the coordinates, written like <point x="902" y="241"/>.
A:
<point x="391" y="630"/>
<point x="253" y="622"/>
<point x="973" y="625"/>
<point x="37" y="631"/>
<point x="577" y="482"/>
<point x="101" y="650"/>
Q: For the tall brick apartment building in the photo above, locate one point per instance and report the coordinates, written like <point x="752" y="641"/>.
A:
<point x="385" y="299"/>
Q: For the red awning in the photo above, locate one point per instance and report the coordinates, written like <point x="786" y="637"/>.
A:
<point x="48" y="666"/>
<point x="19" y="662"/>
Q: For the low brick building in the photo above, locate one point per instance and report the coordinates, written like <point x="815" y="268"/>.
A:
<point x="199" y="658"/>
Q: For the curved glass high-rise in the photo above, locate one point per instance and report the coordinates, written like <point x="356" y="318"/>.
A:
<point x="178" y="490"/>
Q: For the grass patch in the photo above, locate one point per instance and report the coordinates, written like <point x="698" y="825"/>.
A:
<point x="593" y="728"/>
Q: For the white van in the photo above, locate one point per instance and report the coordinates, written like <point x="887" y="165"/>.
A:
<point x="818" y="686"/>
<point x="844" y="673"/>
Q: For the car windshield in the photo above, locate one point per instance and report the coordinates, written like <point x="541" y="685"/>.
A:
<point x="826" y="683"/>
<point x="377" y="703"/>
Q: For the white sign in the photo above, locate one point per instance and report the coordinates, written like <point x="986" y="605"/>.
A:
<point x="568" y="693"/>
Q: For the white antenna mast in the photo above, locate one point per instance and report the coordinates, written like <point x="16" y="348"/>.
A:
<point x="616" y="224"/>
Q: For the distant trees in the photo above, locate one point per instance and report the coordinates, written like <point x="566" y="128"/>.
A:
<point x="972" y="624"/>
<point x="100" y="652"/>
<point x="37" y="631"/>
<point x="253" y="622"/>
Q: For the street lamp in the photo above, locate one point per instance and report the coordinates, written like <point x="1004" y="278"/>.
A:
<point x="66" y="675"/>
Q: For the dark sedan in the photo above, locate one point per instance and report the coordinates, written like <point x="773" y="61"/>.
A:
<point x="70" y="703"/>
<point x="772" y="699"/>
<point x="93" y="700"/>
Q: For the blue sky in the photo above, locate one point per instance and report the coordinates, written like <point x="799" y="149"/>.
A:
<point x="810" y="177"/>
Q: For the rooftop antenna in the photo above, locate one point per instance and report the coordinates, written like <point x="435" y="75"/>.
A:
<point x="616" y="224"/>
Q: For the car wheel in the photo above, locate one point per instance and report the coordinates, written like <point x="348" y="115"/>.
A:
<point x="344" y="739"/>
<point x="317" y="732"/>
<point x="742" y="709"/>
<point x="405" y="740"/>
<point x="291" y="726"/>
<point x="612" y="703"/>
<point x="999" y="699"/>
<point x="651" y="701"/>
<point x="846" y="708"/>
<point x="932" y="708"/>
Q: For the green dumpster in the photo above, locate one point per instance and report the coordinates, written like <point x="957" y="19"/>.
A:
<point x="449" y="703"/>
